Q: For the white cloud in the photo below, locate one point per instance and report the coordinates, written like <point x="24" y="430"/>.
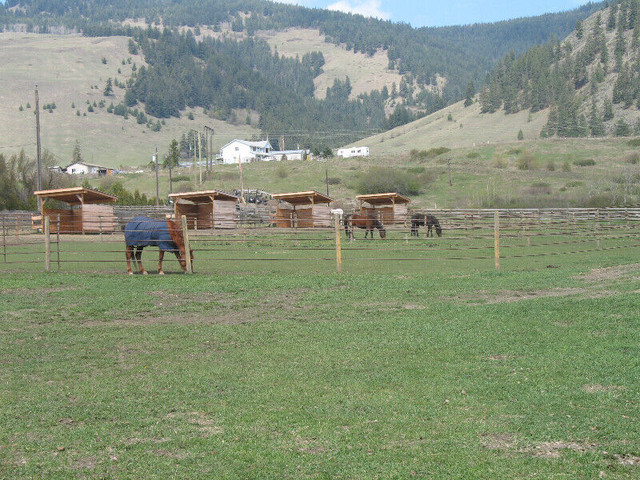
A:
<point x="367" y="8"/>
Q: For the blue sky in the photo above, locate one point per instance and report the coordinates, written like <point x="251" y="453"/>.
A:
<point x="433" y="13"/>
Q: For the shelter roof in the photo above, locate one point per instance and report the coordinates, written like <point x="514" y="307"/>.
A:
<point x="303" y="198"/>
<point x="390" y="198"/>
<point x="77" y="195"/>
<point x="204" y="196"/>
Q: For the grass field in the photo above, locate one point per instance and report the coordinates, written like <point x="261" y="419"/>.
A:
<point x="274" y="369"/>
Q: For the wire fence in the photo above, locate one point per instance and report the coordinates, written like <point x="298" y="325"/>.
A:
<point x="485" y="238"/>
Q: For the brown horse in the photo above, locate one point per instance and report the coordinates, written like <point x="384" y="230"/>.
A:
<point x="165" y="234"/>
<point x="363" y="220"/>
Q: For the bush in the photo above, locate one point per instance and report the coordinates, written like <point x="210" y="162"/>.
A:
<point x="539" y="188"/>
<point x="575" y="183"/>
<point x="586" y="162"/>
<point x="500" y="162"/>
<point x="384" y="179"/>
<point x="566" y="166"/>
<point x="334" y="181"/>
<point x="551" y="166"/>
<point x="180" y="178"/>
<point x="527" y="162"/>
<point x="281" y="171"/>
<point x="632" y="158"/>
<point x="473" y="155"/>
<point x="514" y="151"/>
<point x="634" y="142"/>
<point x="434" y="152"/>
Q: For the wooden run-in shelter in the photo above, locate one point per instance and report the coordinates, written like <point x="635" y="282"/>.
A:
<point x="208" y="209"/>
<point x="303" y="210"/>
<point x="88" y="210"/>
<point x="390" y="208"/>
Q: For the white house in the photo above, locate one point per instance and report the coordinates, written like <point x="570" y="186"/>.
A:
<point x="289" y="155"/>
<point x="353" y="152"/>
<point x="82" y="168"/>
<point x="244" y="151"/>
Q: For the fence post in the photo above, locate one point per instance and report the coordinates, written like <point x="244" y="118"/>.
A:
<point x="47" y="245"/>
<point x="597" y="229"/>
<point x="338" y="246"/>
<point x="4" y="238"/>
<point x="496" y="237"/>
<point x="187" y="248"/>
<point x="58" y="241"/>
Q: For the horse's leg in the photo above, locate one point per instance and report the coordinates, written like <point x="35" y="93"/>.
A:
<point x="139" y="259"/>
<point x="129" y="254"/>
<point x="160" y="258"/>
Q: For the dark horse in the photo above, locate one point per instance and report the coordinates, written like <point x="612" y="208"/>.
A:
<point x="165" y="234"/>
<point x="420" y="220"/>
<point x="363" y="220"/>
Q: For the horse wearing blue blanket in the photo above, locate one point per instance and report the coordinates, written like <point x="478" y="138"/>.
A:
<point x="165" y="234"/>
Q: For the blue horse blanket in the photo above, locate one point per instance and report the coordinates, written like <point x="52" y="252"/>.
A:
<point x="144" y="232"/>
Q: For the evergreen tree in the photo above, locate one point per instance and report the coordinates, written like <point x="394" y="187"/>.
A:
<point x="471" y="91"/>
<point x="608" y="110"/>
<point x="596" y="123"/>
<point x="622" y="128"/>
<point x="108" y="89"/>
<point x="76" y="156"/>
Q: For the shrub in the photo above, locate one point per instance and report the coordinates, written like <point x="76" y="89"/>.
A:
<point x="450" y="118"/>
<point x="180" y="178"/>
<point x="384" y="179"/>
<point x="500" y="162"/>
<point x="514" y="151"/>
<point x="632" y="158"/>
<point x="527" y="162"/>
<point x="575" y="183"/>
<point x="635" y="142"/>
<point x="520" y="135"/>
<point x="281" y="171"/>
<point x="334" y="181"/>
<point x="434" y="152"/>
<point x="473" y="155"/>
<point x="551" y="166"/>
<point x="539" y="188"/>
<point x="585" y="162"/>
<point x="566" y="166"/>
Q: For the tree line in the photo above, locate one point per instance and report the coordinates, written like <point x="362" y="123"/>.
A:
<point x="570" y="78"/>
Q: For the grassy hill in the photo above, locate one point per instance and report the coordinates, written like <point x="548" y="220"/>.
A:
<point x="69" y="70"/>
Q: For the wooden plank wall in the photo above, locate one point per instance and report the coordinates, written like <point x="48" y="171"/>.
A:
<point x="96" y="218"/>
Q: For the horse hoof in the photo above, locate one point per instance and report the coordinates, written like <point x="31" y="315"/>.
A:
<point x="145" y="273"/>
<point x="130" y="273"/>
<point x="160" y="272"/>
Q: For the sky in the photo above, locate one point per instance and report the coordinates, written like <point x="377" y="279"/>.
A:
<point x="437" y="13"/>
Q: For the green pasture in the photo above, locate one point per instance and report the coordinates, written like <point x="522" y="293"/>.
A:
<point x="260" y="367"/>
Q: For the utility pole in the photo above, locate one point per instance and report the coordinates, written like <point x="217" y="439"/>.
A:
<point x="200" y="157"/>
<point x="326" y="179"/>
<point x="39" y="179"/>
<point x="155" y="158"/>
<point x="209" y="142"/>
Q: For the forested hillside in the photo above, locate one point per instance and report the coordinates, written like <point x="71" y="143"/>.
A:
<point x="225" y="76"/>
<point x="590" y="81"/>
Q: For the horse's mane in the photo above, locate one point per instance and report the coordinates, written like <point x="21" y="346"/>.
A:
<point x="176" y="234"/>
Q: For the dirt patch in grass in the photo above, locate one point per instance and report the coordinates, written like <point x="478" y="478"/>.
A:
<point x="602" y="388"/>
<point x="499" y="441"/>
<point x="510" y="296"/>
<point x="630" y="460"/>
<point x="609" y="273"/>
<point x="554" y="449"/>
<point x="310" y="446"/>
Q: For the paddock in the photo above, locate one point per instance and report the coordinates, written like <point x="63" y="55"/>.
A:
<point x="87" y="210"/>
<point x="390" y="208"/>
<point x="206" y="210"/>
<point x="303" y="210"/>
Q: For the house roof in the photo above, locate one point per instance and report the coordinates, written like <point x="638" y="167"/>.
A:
<point x="77" y="195"/>
<point x="262" y="143"/>
<point x="204" y="196"/>
<point x="88" y="165"/>
<point x="303" y="198"/>
<point x="390" y="198"/>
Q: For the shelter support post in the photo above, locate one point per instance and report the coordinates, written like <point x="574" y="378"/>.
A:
<point x="496" y="237"/>
<point x="187" y="247"/>
<point x="4" y="239"/>
<point x="47" y="244"/>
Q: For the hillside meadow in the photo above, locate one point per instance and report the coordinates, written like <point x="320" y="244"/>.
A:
<point x="70" y="72"/>
<point x="540" y="173"/>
